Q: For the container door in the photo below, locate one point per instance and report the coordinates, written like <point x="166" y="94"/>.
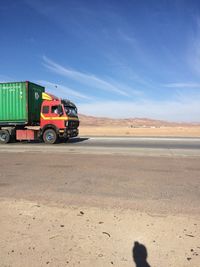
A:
<point x="35" y="102"/>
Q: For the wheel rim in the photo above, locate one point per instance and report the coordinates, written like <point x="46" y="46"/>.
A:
<point x="49" y="137"/>
<point x="3" y="137"/>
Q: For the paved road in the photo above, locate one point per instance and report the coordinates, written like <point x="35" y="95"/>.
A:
<point x="110" y="145"/>
<point x="138" y="142"/>
<point x="153" y="183"/>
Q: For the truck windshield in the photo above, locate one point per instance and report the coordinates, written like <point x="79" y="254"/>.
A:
<point x="71" y="111"/>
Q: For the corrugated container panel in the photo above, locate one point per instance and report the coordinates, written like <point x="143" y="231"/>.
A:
<point x="20" y="102"/>
<point x="13" y="98"/>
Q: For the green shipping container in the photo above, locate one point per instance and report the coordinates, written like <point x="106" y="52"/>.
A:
<point x="20" y="103"/>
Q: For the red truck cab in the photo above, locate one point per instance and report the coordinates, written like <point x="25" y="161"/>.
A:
<point x="58" y="119"/>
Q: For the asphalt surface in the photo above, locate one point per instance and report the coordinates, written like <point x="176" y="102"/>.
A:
<point x="113" y="145"/>
<point x="105" y="171"/>
<point x="150" y="184"/>
<point x="137" y="142"/>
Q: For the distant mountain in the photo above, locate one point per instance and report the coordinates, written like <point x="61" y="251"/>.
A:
<point x="134" y="122"/>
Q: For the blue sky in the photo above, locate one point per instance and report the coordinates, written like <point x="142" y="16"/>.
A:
<point x="112" y="58"/>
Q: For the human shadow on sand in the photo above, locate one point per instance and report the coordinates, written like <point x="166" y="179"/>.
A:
<point x="139" y="253"/>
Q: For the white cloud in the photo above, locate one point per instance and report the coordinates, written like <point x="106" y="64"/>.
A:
<point x="181" y="110"/>
<point x="88" y="79"/>
<point x="183" y="85"/>
<point x="62" y="90"/>
<point x="193" y="53"/>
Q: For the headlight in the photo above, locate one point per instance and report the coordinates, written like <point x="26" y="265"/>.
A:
<point x="66" y="123"/>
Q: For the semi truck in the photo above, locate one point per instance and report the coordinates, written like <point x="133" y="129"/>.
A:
<point x="27" y="112"/>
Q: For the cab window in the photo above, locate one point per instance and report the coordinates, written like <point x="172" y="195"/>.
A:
<point x="45" y="109"/>
<point x="54" y="109"/>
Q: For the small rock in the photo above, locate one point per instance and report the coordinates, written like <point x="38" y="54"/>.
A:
<point x="62" y="225"/>
<point x="105" y="233"/>
<point x="190" y="235"/>
<point x="189" y="259"/>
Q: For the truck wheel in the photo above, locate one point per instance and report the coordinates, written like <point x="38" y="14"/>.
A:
<point x="50" y="136"/>
<point x="4" y="137"/>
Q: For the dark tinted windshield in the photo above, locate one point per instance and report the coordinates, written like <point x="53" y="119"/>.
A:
<point x="71" y="111"/>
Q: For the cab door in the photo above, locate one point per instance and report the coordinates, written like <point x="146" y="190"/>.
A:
<point x="45" y="115"/>
<point x="57" y="116"/>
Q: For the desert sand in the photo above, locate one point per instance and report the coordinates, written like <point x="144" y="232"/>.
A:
<point x="33" y="235"/>
<point x="175" y="131"/>
<point x="94" y="126"/>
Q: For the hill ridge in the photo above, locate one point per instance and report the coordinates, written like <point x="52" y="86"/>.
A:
<point x="87" y="120"/>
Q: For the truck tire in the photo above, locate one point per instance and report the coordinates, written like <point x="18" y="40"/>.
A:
<point x="50" y="136"/>
<point x="4" y="137"/>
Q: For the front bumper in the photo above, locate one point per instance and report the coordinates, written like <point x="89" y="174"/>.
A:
<point x="70" y="130"/>
<point x="70" y="133"/>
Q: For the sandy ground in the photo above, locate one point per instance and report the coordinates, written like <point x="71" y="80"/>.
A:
<point x="193" y="131"/>
<point x="62" y="209"/>
<point x="33" y="234"/>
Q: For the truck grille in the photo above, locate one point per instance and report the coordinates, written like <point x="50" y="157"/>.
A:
<point x="73" y="124"/>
